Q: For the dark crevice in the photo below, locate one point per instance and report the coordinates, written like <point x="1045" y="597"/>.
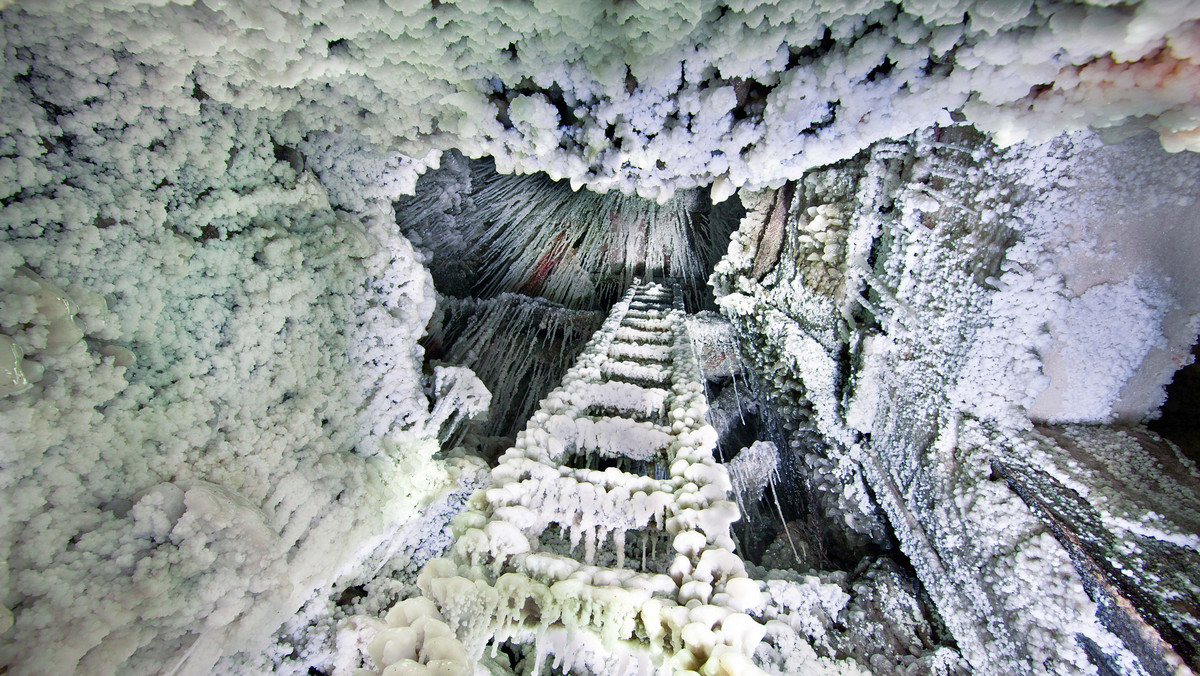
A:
<point x="809" y="53"/>
<point x="1179" y="422"/>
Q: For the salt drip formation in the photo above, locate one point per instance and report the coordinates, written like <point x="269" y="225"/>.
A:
<point x="619" y="459"/>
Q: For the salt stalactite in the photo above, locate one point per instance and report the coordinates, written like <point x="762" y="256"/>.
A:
<point x="634" y="397"/>
<point x="459" y="395"/>
<point x="537" y="236"/>
<point x="518" y="346"/>
<point x="752" y="469"/>
<point x="563" y="238"/>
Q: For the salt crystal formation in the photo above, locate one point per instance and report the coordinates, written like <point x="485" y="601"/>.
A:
<point x="417" y="641"/>
<point x="734" y="95"/>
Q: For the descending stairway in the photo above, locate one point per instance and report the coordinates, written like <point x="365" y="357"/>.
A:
<point x="618" y="459"/>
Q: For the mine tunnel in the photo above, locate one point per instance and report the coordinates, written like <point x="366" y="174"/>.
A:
<point x="599" y="338"/>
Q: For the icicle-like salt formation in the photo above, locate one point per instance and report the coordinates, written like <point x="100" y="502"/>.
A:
<point x="459" y="395"/>
<point x="612" y="613"/>
<point x="536" y="236"/>
<point x="754" y="467"/>
<point x="518" y="346"/>
<point x="550" y="240"/>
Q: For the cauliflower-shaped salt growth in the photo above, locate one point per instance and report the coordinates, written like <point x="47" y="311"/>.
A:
<point x="808" y="604"/>
<point x="838" y="484"/>
<point x="1003" y="374"/>
<point x="1144" y="82"/>
<point x="205" y="541"/>
<point x="821" y="249"/>
<point x="268" y="345"/>
<point x="417" y="641"/>
<point x="536" y="120"/>
<point x="359" y="178"/>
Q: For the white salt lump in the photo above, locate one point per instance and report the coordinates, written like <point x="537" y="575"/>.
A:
<point x="12" y="376"/>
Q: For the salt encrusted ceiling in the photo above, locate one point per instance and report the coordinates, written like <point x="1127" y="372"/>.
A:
<point x="640" y="96"/>
<point x="491" y="233"/>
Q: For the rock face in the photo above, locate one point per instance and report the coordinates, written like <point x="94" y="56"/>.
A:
<point x="620" y="450"/>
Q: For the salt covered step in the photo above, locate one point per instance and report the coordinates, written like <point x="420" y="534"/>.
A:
<point x="521" y="474"/>
<point x="647" y="324"/>
<point x="661" y="381"/>
<point x="649" y="307"/>
<point x="550" y="568"/>
<point x="606" y="435"/>
<point x="634" y="380"/>
<point x="640" y="353"/>
<point x="653" y="468"/>
<point x="621" y="397"/>
<point x="588" y="512"/>
<point x="647" y="314"/>
<point x="661" y="338"/>
<point x="637" y="373"/>
<point x="665" y="339"/>
<point x="627" y="334"/>
<point x="582" y="497"/>
<point x="657" y="337"/>
<point x="612" y="478"/>
<point x="615" y="436"/>
<point x="656" y="294"/>
<point x="635" y="308"/>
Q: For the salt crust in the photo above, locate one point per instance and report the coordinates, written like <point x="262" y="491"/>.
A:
<point x="681" y="112"/>
<point x="954" y="355"/>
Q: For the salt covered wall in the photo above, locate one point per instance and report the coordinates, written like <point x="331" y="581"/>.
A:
<point x="212" y="324"/>
<point x="910" y="305"/>
<point x="217" y="409"/>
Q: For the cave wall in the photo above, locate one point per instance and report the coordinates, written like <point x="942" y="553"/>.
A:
<point x="902" y="303"/>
